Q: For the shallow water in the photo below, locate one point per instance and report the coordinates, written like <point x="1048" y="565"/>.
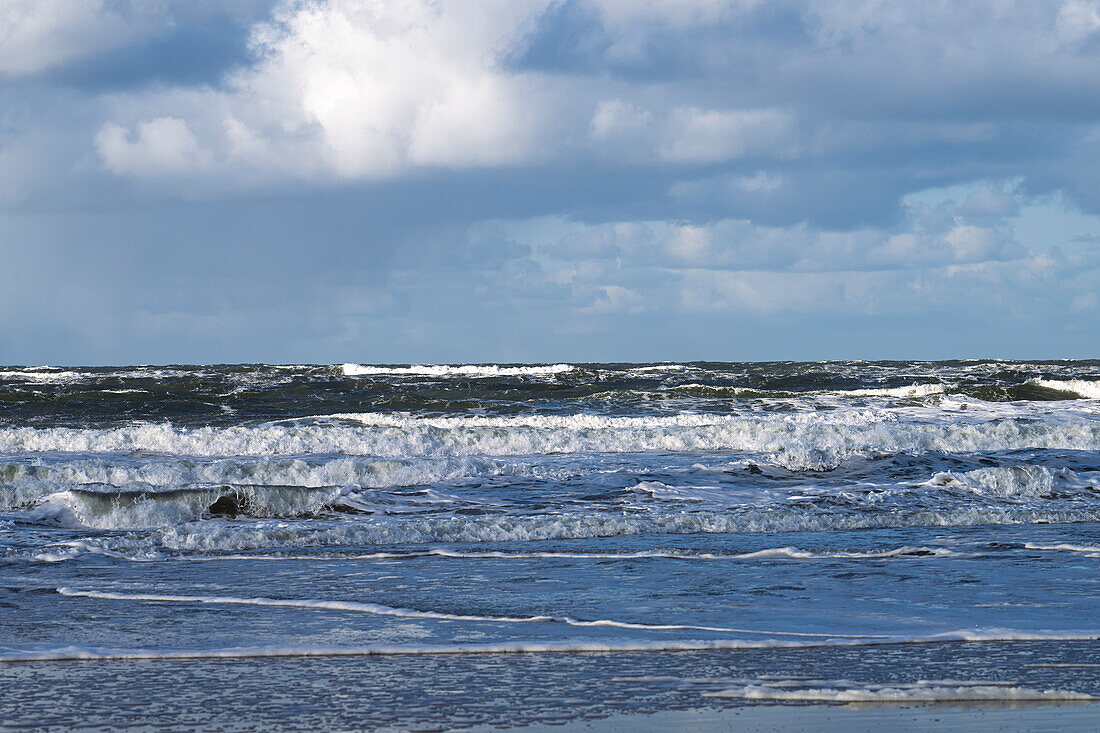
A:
<point x="701" y="520"/>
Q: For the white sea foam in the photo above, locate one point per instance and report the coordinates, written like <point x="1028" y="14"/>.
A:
<point x="129" y="510"/>
<point x="460" y="370"/>
<point x="42" y="375"/>
<point x="70" y="550"/>
<point x="577" y="421"/>
<point x="69" y="653"/>
<point x="412" y="515"/>
<point x="382" y="610"/>
<point x="798" y="554"/>
<point x="10" y="654"/>
<point x="662" y="491"/>
<point x="1086" y="388"/>
<point x="1089" y="550"/>
<point x="669" y="367"/>
<point x="112" y="490"/>
<point x="797" y="441"/>
<point x="725" y="391"/>
<point x="847" y="691"/>
<point x="910" y="391"/>
<point x="73" y="549"/>
<point x="913" y="390"/>
<point x="147" y="509"/>
<point x="737" y="496"/>
<point x="1010" y="482"/>
<point x="218" y="536"/>
<point x="793" y="553"/>
<point x="25" y="484"/>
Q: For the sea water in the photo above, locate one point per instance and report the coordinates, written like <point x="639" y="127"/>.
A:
<point x="360" y="545"/>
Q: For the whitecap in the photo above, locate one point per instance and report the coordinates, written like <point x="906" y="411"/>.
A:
<point x="1089" y="550"/>
<point x="796" y="441"/>
<point x="43" y="375"/>
<point x="477" y="371"/>
<point x="913" y="390"/>
<point x="1083" y="388"/>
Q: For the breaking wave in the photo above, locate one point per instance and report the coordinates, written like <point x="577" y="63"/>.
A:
<point x="1083" y="388"/>
<point x="913" y="390"/>
<point x="712" y="390"/>
<point x="795" y="441"/>
<point x="1089" y="550"/>
<point x="137" y="509"/>
<point x="41" y="375"/>
<point x="215" y="535"/>
<point x="23" y="484"/>
<point x="1017" y="482"/>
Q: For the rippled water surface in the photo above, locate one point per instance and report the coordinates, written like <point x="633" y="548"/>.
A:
<point x="666" y="535"/>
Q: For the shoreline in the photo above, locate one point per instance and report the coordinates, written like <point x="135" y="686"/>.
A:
<point x="849" y="718"/>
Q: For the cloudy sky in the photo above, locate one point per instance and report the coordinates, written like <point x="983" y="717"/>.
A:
<point x="514" y="180"/>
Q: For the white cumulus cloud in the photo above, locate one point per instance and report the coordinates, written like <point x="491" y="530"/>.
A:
<point x="363" y="90"/>
<point x="36" y="35"/>
<point x="161" y="146"/>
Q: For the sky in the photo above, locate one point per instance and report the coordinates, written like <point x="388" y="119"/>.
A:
<point x="321" y="181"/>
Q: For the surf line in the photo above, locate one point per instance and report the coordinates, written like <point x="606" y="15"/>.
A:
<point x="777" y="553"/>
<point x="9" y="655"/>
<point x="381" y="610"/>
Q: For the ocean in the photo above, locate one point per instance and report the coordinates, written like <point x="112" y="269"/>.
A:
<point x="479" y="546"/>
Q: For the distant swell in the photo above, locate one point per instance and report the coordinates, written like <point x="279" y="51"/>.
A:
<point x="475" y="371"/>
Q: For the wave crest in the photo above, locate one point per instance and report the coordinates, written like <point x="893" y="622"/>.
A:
<point x="1083" y="388"/>
<point x="475" y="371"/>
<point x="794" y="441"/>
